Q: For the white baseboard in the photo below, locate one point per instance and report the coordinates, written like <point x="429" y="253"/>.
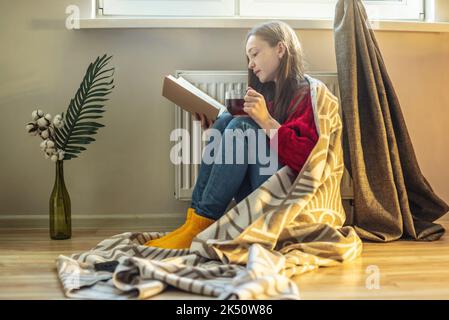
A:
<point x="144" y="222"/>
<point x="147" y="222"/>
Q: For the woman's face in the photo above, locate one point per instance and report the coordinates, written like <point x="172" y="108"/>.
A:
<point x="263" y="60"/>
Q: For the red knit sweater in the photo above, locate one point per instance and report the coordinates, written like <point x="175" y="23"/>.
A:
<point x="297" y="136"/>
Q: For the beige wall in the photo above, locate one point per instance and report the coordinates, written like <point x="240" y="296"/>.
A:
<point x="127" y="170"/>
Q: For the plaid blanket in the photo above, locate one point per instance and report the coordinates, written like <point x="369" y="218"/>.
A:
<point x="291" y="224"/>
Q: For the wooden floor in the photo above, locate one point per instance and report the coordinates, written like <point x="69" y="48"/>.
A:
<point x="406" y="269"/>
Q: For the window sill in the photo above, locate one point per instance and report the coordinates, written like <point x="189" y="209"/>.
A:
<point x="247" y="23"/>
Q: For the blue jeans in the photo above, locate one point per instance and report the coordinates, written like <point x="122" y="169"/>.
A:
<point x="218" y="183"/>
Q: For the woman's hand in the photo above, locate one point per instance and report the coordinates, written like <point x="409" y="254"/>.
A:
<point x="256" y="107"/>
<point x="205" y="123"/>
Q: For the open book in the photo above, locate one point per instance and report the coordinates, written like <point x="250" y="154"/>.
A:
<point x="190" y="98"/>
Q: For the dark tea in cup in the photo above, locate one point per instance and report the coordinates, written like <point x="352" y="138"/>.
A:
<point x="234" y="100"/>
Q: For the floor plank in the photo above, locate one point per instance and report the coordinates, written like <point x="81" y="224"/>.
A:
<point x="406" y="269"/>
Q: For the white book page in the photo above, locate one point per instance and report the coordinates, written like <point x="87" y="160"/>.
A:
<point x="201" y="94"/>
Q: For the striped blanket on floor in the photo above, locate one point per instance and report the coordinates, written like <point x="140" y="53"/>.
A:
<point x="291" y="224"/>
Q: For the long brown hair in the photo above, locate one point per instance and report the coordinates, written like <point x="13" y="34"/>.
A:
<point x="290" y="71"/>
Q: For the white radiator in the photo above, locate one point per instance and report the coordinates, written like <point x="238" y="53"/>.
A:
<point x="215" y="84"/>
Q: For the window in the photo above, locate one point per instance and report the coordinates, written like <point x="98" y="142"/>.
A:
<point x="184" y="8"/>
<point x="317" y="9"/>
<point x="325" y="9"/>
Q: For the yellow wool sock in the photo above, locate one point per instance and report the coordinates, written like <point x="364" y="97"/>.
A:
<point x="154" y="242"/>
<point x="183" y="239"/>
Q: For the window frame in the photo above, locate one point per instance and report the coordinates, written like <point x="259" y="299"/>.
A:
<point x="313" y="9"/>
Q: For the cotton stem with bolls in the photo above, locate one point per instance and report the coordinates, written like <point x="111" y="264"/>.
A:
<point x="43" y="126"/>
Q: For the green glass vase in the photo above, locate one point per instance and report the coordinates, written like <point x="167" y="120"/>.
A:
<point x="60" y="211"/>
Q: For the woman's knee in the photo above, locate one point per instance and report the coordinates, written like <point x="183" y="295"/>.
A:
<point x="242" y="123"/>
<point x="222" y="121"/>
